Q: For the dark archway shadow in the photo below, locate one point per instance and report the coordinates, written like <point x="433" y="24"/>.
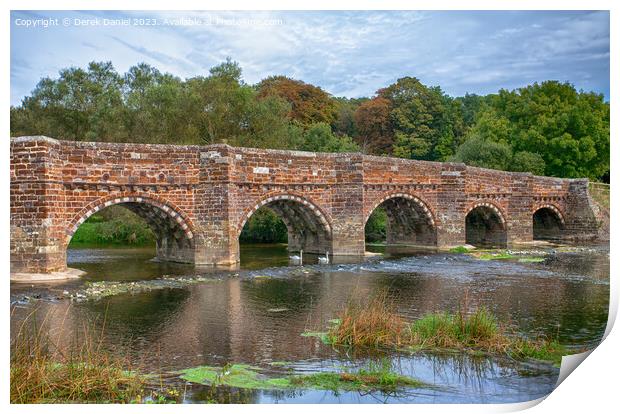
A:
<point x="547" y="225"/>
<point x="484" y="227"/>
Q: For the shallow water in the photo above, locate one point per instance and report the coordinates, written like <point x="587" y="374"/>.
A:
<point x="256" y="315"/>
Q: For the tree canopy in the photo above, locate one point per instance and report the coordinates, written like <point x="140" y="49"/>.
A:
<point x="545" y="128"/>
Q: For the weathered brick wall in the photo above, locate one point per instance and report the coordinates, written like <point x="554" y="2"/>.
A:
<point x="197" y="198"/>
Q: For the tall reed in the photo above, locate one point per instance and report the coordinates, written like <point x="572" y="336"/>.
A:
<point x="375" y="323"/>
<point x="44" y="372"/>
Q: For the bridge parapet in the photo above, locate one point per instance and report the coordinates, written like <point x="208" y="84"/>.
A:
<point x="197" y="198"/>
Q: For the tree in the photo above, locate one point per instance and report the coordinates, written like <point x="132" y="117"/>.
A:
<point x="264" y="227"/>
<point x="80" y="105"/>
<point x="471" y="105"/>
<point x="345" y="123"/>
<point x="155" y="109"/>
<point x="424" y="120"/>
<point x="309" y="103"/>
<point x="374" y="128"/>
<point x="320" y="138"/>
<point x="527" y="162"/>
<point x="225" y="109"/>
<point x="569" y="129"/>
<point x="482" y="153"/>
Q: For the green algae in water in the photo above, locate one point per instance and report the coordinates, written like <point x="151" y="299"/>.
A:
<point x="358" y="381"/>
<point x="248" y="377"/>
<point x="236" y="375"/>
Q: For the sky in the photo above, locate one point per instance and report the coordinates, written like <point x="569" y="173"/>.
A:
<point x="347" y="53"/>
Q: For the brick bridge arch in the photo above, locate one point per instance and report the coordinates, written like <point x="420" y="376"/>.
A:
<point x="548" y="222"/>
<point x="410" y="219"/>
<point x="203" y="195"/>
<point x="172" y="227"/>
<point x="485" y="224"/>
<point x="308" y="226"/>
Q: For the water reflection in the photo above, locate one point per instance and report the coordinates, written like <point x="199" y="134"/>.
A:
<point x="256" y="315"/>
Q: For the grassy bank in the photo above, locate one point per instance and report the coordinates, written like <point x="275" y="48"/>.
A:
<point x="375" y="324"/>
<point x="114" y="225"/>
<point x="42" y="373"/>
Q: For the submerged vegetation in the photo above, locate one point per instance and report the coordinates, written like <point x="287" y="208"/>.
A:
<point x="375" y="324"/>
<point x="377" y="376"/>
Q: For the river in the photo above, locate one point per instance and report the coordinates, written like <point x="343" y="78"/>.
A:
<point x="256" y="314"/>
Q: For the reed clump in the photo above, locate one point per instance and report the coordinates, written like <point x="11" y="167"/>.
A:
<point x="375" y="324"/>
<point x="42" y="373"/>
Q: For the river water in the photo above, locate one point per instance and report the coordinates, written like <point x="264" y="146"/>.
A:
<point x="256" y="315"/>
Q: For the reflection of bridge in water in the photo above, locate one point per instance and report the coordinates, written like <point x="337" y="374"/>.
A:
<point x="198" y="198"/>
<point x="252" y="320"/>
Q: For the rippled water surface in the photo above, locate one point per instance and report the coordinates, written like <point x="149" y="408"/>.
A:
<point x="256" y="315"/>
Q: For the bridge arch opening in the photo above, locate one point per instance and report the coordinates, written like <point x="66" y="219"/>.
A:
<point x="171" y="231"/>
<point x="401" y="220"/>
<point x="292" y="220"/>
<point x="548" y="223"/>
<point x="485" y="227"/>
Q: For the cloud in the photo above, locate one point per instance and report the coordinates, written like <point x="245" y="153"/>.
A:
<point x="350" y="53"/>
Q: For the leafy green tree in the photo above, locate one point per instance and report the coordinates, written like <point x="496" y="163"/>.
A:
<point x="569" y="129"/>
<point x="376" y="226"/>
<point x="156" y="107"/>
<point x="83" y="105"/>
<point x="424" y="120"/>
<point x="345" y="123"/>
<point x="527" y="162"/>
<point x="482" y="153"/>
<point x="471" y="105"/>
<point x="226" y="110"/>
<point x="320" y="138"/>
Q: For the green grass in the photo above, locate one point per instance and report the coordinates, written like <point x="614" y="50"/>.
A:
<point x="459" y="249"/>
<point x="446" y="330"/>
<point x="280" y="363"/>
<point x="114" y="225"/>
<point x="374" y="324"/>
<point x="115" y="232"/>
<point x="543" y="350"/>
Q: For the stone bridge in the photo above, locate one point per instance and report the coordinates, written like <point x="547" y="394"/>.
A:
<point x="198" y="198"/>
